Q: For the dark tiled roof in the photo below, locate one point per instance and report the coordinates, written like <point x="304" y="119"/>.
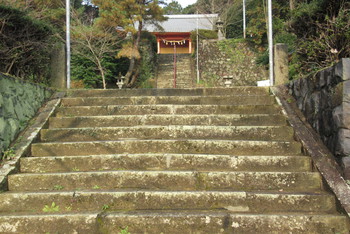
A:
<point x="184" y="23"/>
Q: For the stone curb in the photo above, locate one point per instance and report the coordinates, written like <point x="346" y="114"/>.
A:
<point x="313" y="146"/>
<point x="26" y="138"/>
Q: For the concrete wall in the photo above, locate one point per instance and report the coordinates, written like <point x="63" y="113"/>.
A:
<point x="19" y="101"/>
<point x="223" y="58"/>
<point x="325" y="102"/>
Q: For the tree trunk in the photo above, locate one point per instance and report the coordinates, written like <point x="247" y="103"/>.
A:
<point x="291" y="4"/>
<point x="100" y="68"/>
<point x="135" y="75"/>
<point x="133" y="59"/>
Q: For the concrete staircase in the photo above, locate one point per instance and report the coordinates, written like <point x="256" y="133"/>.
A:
<point x="168" y="161"/>
<point x="165" y="74"/>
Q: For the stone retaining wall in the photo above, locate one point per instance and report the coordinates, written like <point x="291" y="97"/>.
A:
<point x="229" y="58"/>
<point x="19" y="101"/>
<point x="325" y="101"/>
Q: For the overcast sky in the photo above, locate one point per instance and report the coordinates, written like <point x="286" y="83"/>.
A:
<point x="184" y="3"/>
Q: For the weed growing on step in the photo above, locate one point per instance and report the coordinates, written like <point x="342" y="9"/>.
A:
<point x="68" y="208"/>
<point x="124" y="231"/>
<point x="105" y="207"/>
<point x="96" y="187"/>
<point x="9" y="154"/>
<point x="75" y="169"/>
<point x="289" y="100"/>
<point x="57" y="187"/>
<point x="52" y="208"/>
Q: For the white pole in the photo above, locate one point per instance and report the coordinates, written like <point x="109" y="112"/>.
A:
<point x="270" y="39"/>
<point x="68" y="49"/>
<point x="244" y="22"/>
<point x="197" y="53"/>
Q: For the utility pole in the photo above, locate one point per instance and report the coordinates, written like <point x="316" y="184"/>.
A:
<point x="197" y="53"/>
<point x="68" y="49"/>
<point x="244" y="21"/>
<point x="270" y="39"/>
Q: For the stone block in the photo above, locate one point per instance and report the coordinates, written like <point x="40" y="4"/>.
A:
<point x="8" y="108"/>
<point x="338" y="69"/>
<point x="304" y="89"/>
<point x="345" y="68"/>
<point x="346" y="91"/>
<point x="327" y="125"/>
<point x="1" y="100"/>
<point x="338" y="117"/>
<point x="2" y="127"/>
<point x="343" y="146"/>
<point x="346" y="113"/>
<point x="346" y="167"/>
<point x="322" y="80"/>
<point x="329" y="76"/>
<point x="336" y="95"/>
<point x="13" y="128"/>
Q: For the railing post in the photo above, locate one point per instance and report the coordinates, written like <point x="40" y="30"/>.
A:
<point x="174" y="65"/>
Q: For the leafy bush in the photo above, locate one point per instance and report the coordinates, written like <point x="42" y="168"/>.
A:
<point x="25" y="44"/>
<point x="84" y="70"/>
<point x="323" y="31"/>
<point x="148" y="51"/>
<point x="202" y="34"/>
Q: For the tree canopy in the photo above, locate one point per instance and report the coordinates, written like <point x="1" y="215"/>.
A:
<point x="173" y="8"/>
<point x="126" y="15"/>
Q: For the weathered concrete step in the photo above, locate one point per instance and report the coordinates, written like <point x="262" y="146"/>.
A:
<point x="169" y="180"/>
<point x="242" y="202"/>
<point x="166" y="109"/>
<point x="167" y="146"/>
<point x="169" y="68"/>
<point x="200" y="120"/>
<point x="171" y="222"/>
<point x="169" y="63"/>
<point x="244" y="90"/>
<point x="198" y="162"/>
<point x="191" y="100"/>
<point x="265" y="133"/>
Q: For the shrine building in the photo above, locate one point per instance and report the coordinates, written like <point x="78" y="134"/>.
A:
<point x="175" y="36"/>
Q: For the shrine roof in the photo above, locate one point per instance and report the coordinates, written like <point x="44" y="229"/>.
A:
<point x="184" y="23"/>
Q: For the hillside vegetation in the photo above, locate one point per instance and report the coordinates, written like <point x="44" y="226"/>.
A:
<point x="317" y="33"/>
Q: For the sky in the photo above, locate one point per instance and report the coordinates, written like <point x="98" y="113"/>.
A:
<point x="184" y="3"/>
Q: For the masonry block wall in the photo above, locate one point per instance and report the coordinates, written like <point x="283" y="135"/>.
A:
<point x="324" y="99"/>
<point x="19" y="101"/>
<point x="223" y="58"/>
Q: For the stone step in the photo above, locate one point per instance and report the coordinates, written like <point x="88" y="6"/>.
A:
<point x="244" y="90"/>
<point x="169" y="67"/>
<point x="242" y="202"/>
<point x="200" y="120"/>
<point x="170" y="61"/>
<point x="180" y="74"/>
<point x="190" y="100"/>
<point x="168" y="180"/>
<point x="173" y="221"/>
<point x="265" y="133"/>
<point x="195" y="162"/>
<point x="167" y="146"/>
<point x="166" y="109"/>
